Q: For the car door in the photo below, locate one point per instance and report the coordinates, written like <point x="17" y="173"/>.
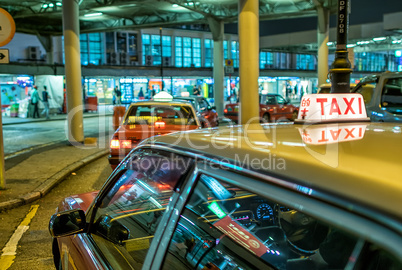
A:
<point x="130" y="211"/>
<point x="227" y="220"/>
<point x="284" y="110"/>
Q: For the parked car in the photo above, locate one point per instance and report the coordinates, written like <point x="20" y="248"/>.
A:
<point x="144" y="119"/>
<point x="273" y="108"/>
<point x="206" y="113"/>
<point x="326" y="88"/>
<point x="383" y="96"/>
<point x="263" y="196"/>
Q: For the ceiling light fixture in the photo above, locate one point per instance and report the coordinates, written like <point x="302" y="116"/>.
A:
<point x="93" y="14"/>
<point x="379" y="38"/>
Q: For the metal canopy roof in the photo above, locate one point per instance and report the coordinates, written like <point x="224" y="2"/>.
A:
<point x="44" y="17"/>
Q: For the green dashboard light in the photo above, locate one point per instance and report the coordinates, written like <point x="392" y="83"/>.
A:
<point x="214" y="207"/>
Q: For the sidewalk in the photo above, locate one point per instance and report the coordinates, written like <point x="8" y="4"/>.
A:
<point x="35" y="176"/>
<point x="102" y="110"/>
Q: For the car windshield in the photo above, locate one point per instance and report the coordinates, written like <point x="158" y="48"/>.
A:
<point x="169" y="114"/>
<point x="192" y="101"/>
<point x="391" y="97"/>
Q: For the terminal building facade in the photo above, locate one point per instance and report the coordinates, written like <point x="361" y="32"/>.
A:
<point x="175" y="60"/>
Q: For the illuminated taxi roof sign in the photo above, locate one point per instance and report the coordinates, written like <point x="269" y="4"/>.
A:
<point x="163" y="96"/>
<point x="324" y="108"/>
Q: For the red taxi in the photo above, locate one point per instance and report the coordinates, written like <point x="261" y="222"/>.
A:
<point x="206" y="113"/>
<point x="320" y="193"/>
<point x="149" y="118"/>
<point x="273" y="108"/>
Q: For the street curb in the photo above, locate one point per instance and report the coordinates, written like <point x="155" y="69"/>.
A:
<point x="51" y="182"/>
<point x="51" y="119"/>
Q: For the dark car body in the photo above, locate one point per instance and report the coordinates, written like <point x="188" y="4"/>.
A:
<point x="206" y="113"/>
<point x="273" y="108"/>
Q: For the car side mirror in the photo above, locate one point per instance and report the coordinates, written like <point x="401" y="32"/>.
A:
<point x="67" y="223"/>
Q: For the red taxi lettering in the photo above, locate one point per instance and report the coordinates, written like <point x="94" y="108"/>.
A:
<point x="335" y="134"/>
<point x="322" y="100"/>
<point x="305" y="102"/>
<point x="334" y="107"/>
<point x="349" y="133"/>
<point x="323" y="139"/>
<point x="349" y="105"/>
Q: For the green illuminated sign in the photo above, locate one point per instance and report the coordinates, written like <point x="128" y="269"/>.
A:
<point x="214" y="207"/>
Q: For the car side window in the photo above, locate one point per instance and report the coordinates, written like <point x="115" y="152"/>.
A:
<point x="126" y="221"/>
<point x="391" y="97"/>
<point x="367" y="91"/>
<point x="224" y="225"/>
<point x="203" y="105"/>
<point x="280" y="100"/>
<point x="271" y="100"/>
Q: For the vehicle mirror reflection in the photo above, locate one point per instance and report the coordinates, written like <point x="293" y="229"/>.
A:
<point x="67" y="223"/>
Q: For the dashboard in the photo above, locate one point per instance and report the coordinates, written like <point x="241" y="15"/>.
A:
<point x="253" y="211"/>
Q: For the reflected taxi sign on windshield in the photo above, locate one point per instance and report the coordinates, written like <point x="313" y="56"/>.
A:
<point x="324" y="108"/>
<point x="332" y="133"/>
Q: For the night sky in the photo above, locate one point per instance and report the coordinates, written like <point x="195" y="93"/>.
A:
<point x="362" y="11"/>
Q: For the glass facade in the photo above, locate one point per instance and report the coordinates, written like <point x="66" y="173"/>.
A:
<point x="91" y="46"/>
<point x="235" y="53"/>
<point x="198" y="52"/>
<point x="305" y="61"/>
<point x="209" y="47"/>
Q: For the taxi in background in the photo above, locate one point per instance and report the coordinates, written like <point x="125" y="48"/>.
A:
<point x="383" y="96"/>
<point x="273" y="108"/>
<point x="206" y="113"/>
<point x="144" y="119"/>
<point x="321" y="193"/>
<point x="326" y="88"/>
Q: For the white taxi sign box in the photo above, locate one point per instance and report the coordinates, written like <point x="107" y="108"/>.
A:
<point x="324" y="108"/>
<point x="163" y="96"/>
<point x="332" y="133"/>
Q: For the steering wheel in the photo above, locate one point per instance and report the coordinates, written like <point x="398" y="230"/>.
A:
<point x="304" y="233"/>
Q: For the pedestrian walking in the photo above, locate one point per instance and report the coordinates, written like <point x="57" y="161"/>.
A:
<point x="35" y="101"/>
<point x="45" y="101"/>
<point x="117" y="94"/>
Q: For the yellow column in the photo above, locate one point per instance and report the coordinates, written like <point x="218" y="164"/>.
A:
<point x="322" y="40"/>
<point x="73" y="70"/>
<point x="248" y="61"/>
<point x="2" y="169"/>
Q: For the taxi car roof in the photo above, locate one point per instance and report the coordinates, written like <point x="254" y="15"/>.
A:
<point x="152" y="102"/>
<point x="367" y="170"/>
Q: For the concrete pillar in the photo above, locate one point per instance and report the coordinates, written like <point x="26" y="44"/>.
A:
<point x="71" y="33"/>
<point x="249" y="61"/>
<point x="322" y="39"/>
<point x="218" y="69"/>
<point x="47" y="43"/>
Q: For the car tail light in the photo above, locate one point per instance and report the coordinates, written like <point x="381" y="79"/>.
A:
<point x="225" y="110"/>
<point x="114" y="144"/>
<point x="125" y="143"/>
<point x="117" y="144"/>
<point x="206" y="116"/>
<point x="164" y="187"/>
<point x="160" y="124"/>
